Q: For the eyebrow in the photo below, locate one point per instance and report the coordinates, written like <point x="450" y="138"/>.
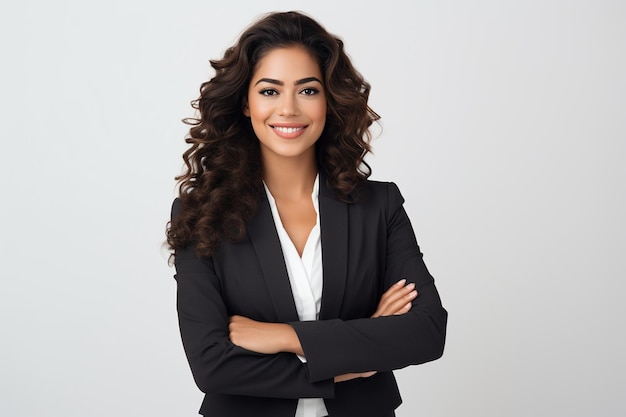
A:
<point x="278" y="82"/>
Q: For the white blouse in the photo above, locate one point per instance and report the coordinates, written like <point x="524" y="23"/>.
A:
<point x="306" y="278"/>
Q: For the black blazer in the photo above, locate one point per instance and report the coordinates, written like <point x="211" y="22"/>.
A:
<point x="366" y="247"/>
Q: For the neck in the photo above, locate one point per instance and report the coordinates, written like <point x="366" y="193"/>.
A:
<point x="290" y="178"/>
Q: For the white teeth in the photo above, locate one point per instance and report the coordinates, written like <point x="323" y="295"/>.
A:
<point x="287" y="129"/>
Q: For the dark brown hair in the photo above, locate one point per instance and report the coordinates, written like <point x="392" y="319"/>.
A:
<point x="221" y="185"/>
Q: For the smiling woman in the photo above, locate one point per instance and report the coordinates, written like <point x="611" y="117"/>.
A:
<point x="300" y="284"/>
<point x="286" y="104"/>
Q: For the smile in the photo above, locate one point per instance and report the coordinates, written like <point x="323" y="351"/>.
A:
<point x="288" y="132"/>
<point x="287" y="129"/>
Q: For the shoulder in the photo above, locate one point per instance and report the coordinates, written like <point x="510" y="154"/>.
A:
<point x="177" y="206"/>
<point x="384" y="195"/>
<point x="380" y="187"/>
<point x="382" y="190"/>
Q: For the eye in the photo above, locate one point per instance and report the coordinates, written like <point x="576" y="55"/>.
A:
<point x="310" y="91"/>
<point x="268" y="92"/>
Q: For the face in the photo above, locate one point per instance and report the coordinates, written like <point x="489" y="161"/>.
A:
<point x="287" y="104"/>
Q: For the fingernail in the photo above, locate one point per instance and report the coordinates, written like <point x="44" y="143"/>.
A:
<point x="411" y="285"/>
<point x="401" y="282"/>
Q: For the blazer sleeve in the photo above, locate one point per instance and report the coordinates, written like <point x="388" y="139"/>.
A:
<point x="334" y="347"/>
<point x="217" y="365"/>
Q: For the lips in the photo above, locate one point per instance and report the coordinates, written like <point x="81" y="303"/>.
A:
<point x="288" y="131"/>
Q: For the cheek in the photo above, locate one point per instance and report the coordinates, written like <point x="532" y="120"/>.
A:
<point x="258" y="109"/>
<point x="318" y="112"/>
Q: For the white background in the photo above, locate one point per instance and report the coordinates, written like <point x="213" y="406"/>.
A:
<point x="503" y="124"/>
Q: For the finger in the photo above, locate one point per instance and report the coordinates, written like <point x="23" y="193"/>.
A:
<point x="393" y="295"/>
<point x="398" y="286"/>
<point x="402" y="305"/>
<point x="346" y="377"/>
<point x="396" y="292"/>
<point x="398" y="306"/>
<point x="400" y="283"/>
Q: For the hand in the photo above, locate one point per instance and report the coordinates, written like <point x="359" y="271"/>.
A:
<point x="396" y="300"/>
<point x="263" y="337"/>
<point x="347" y="377"/>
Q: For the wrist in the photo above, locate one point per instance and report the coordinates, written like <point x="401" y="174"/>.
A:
<point x="290" y="340"/>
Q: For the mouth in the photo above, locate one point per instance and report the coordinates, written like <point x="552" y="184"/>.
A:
<point x="287" y="129"/>
<point x="288" y="132"/>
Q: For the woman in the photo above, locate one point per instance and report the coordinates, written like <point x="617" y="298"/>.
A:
<point x="300" y="283"/>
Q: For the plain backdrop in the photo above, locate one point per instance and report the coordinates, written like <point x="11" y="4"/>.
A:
<point x="503" y="123"/>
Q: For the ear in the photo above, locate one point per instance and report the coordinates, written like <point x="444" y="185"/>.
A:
<point x="246" y="108"/>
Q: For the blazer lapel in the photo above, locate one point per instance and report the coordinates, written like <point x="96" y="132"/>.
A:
<point x="334" y="231"/>
<point x="262" y="232"/>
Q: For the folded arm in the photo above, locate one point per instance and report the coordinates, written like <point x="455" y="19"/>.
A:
<point x="219" y="366"/>
<point x="401" y="332"/>
<point x="273" y="338"/>
<point x="383" y="343"/>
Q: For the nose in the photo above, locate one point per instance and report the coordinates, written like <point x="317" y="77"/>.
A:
<point x="288" y="106"/>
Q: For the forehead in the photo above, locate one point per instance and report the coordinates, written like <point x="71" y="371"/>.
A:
<point x="293" y="62"/>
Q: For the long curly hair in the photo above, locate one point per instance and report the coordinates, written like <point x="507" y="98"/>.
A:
<point x="220" y="187"/>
